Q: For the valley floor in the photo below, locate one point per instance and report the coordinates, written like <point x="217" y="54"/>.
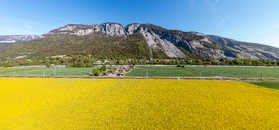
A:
<point x="155" y="71"/>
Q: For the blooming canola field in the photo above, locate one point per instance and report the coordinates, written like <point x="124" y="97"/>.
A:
<point x="135" y="103"/>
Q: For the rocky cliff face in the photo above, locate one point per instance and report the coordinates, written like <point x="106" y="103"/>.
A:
<point x="17" y="38"/>
<point x="174" y="43"/>
<point x="111" y="29"/>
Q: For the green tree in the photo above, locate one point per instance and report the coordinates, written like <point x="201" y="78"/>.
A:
<point x="96" y="72"/>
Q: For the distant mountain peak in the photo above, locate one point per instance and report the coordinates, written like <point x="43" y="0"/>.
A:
<point x="17" y="38"/>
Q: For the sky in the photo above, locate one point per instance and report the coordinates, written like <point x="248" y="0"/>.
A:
<point x="244" y="20"/>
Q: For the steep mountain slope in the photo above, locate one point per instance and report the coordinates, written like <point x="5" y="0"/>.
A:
<point x="240" y="49"/>
<point x="172" y="43"/>
<point x="98" y="45"/>
<point x="5" y="46"/>
<point x="137" y="40"/>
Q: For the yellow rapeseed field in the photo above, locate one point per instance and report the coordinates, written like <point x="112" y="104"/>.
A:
<point x="135" y="103"/>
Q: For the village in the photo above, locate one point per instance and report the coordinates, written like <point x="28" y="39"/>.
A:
<point x="112" y="70"/>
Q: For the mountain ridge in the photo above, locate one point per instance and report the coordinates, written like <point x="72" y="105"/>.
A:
<point x="172" y="43"/>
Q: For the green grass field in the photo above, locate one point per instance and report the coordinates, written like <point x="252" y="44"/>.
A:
<point x="45" y="71"/>
<point x="154" y="71"/>
<point x="268" y="84"/>
<point x="199" y="71"/>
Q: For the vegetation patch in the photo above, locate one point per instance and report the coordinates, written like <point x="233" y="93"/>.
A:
<point x="268" y="84"/>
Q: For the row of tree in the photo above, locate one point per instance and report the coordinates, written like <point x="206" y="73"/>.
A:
<point x="89" y="61"/>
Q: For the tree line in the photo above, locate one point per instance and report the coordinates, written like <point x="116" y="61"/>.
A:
<point x="89" y="61"/>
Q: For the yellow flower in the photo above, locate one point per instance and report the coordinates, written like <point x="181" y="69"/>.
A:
<point x="135" y="103"/>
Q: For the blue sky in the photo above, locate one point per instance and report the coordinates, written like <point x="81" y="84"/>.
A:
<point x="245" y="20"/>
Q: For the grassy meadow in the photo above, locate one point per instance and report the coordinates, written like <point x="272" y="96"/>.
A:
<point x="135" y="103"/>
<point x="42" y="71"/>
<point x="153" y="71"/>
<point x="268" y="84"/>
<point x="201" y="71"/>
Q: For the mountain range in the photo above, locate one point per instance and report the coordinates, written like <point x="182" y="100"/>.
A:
<point x="17" y="38"/>
<point x="133" y="40"/>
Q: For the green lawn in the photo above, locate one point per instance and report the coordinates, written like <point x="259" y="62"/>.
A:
<point x="200" y="71"/>
<point x="45" y="71"/>
<point x="268" y="84"/>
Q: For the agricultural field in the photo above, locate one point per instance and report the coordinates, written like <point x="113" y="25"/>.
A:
<point x="43" y="71"/>
<point x="268" y="84"/>
<point x="135" y="103"/>
<point x="202" y="71"/>
<point x="153" y="71"/>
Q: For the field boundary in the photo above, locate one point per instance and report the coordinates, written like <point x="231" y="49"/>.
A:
<point x="178" y="78"/>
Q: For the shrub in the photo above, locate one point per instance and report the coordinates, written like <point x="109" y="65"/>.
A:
<point x="103" y="68"/>
<point x="96" y="72"/>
